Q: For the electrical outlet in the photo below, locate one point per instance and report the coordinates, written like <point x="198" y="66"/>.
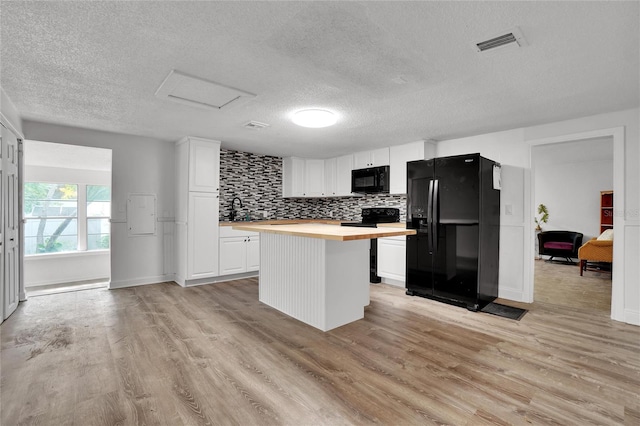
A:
<point x="508" y="209"/>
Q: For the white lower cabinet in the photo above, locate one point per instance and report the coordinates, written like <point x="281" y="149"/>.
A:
<point x="253" y="254"/>
<point x="239" y="251"/>
<point x="392" y="252"/>
<point x="202" y="234"/>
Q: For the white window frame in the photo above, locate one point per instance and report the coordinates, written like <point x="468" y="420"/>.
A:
<point x="81" y="218"/>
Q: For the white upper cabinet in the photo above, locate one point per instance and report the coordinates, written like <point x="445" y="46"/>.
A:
<point x="293" y="177"/>
<point x="330" y="178"/>
<point x="313" y="178"/>
<point x="375" y="158"/>
<point x="344" y="166"/>
<point x="204" y="165"/>
<point x="320" y="178"/>
<point x="337" y="176"/>
<point x="399" y="155"/>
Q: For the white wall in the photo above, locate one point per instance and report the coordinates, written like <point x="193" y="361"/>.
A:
<point x="56" y="268"/>
<point x="509" y="149"/>
<point x="64" y="175"/>
<point x="513" y="148"/>
<point x="626" y="182"/>
<point x="139" y="165"/>
<point x="568" y="179"/>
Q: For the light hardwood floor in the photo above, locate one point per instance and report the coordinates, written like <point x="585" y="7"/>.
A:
<point x="162" y="354"/>
<point x="562" y="285"/>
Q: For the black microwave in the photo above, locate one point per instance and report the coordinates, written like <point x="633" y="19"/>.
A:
<point x="374" y="180"/>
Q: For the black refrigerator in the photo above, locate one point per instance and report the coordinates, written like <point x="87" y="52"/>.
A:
<point x="454" y="205"/>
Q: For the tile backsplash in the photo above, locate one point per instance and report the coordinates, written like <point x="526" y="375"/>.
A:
<point x="257" y="181"/>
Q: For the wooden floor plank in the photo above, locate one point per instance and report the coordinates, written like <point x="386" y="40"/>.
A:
<point x="167" y="355"/>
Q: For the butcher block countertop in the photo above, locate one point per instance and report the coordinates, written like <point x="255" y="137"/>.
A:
<point x="314" y="229"/>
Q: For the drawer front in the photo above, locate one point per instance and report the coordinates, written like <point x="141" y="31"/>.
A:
<point x="228" y="231"/>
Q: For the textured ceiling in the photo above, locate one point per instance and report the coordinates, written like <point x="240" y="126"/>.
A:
<point x="395" y="72"/>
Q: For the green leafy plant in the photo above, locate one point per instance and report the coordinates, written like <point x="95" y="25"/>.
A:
<point x="542" y="218"/>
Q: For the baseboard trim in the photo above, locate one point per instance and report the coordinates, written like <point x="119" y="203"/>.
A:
<point x="632" y="317"/>
<point x="39" y="285"/>
<point x="509" y="294"/>
<point x="394" y="282"/>
<point x="219" y="279"/>
<point x="141" y="281"/>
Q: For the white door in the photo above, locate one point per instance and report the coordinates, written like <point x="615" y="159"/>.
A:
<point x="344" y="166"/>
<point x="204" y="161"/>
<point x="11" y="222"/>
<point x="362" y="160"/>
<point x="330" y="165"/>
<point x="392" y="257"/>
<point x="314" y="178"/>
<point x="253" y="254"/>
<point x="380" y="157"/>
<point x="233" y="255"/>
<point x="293" y="177"/>
<point x="202" y="235"/>
<point x="2" y="209"/>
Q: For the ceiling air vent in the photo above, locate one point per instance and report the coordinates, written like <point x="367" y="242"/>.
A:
<point x="255" y="125"/>
<point x="512" y="38"/>
<point x="194" y="91"/>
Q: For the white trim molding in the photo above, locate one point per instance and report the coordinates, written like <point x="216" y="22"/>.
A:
<point x="618" y="312"/>
<point x="141" y="281"/>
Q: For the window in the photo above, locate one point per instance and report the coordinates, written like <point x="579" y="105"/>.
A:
<point x="62" y="217"/>
<point x="51" y="217"/>
<point x="98" y="213"/>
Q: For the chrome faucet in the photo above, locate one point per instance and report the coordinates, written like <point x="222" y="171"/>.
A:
<point x="232" y="212"/>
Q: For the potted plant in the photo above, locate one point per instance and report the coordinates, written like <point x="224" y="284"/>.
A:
<point x="543" y="218"/>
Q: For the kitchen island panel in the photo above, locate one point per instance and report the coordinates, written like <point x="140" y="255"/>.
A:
<point x="323" y="283"/>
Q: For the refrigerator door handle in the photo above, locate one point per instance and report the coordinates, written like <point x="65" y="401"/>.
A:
<point x="435" y="214"/>
<point x="430" y="217"/>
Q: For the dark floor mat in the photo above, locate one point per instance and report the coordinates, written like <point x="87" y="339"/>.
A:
<point x="504" y="311"/>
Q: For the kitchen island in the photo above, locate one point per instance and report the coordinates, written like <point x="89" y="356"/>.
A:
<point x="317" y="273"/>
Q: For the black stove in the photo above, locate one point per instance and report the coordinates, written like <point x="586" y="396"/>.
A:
<point x="371" y="216"/>
<point x="359" y="224"/>
<point x="374" y="215"/>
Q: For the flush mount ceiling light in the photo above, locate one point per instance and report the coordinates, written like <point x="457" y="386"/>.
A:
<point x="315" y="118"/>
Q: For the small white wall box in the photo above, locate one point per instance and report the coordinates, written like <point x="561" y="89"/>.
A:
<point x="141" y="214"/>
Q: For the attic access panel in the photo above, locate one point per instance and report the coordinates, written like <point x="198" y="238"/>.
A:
<point x="198" y="92"/>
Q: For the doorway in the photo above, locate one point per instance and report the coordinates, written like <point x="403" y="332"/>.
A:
<point x="568" y="178"/>
<point x="66" y="216"/>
